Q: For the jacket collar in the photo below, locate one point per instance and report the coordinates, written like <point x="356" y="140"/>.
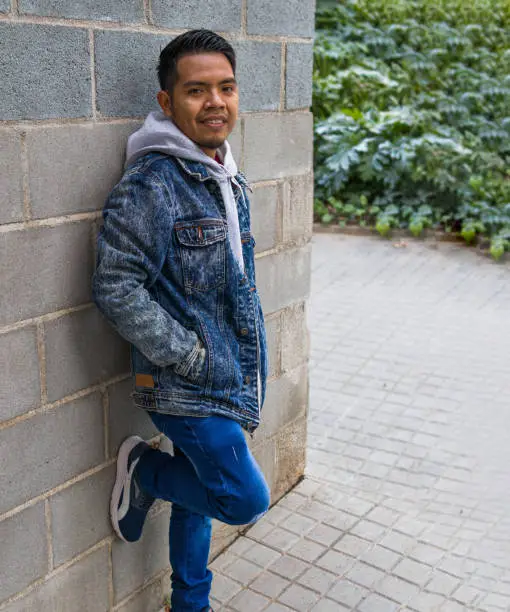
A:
<point x="199" y="171"/>
<point x="194" y="169"/>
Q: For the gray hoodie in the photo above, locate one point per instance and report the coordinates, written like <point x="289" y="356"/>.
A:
<point x="159" y="133"/>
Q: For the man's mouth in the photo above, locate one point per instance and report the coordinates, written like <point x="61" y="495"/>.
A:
<point x="214" y="122"/>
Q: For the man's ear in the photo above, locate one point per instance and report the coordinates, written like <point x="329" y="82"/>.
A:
<point x="165" y="102"/>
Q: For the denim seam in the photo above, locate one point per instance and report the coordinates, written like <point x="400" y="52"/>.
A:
<point x="209" y="353"/>
<point x="206" y="454"/>
<point x="150" y="160"/>
<point x="188" y="399"/>
<point x="220" y="318"/>
<point x="189" y="171"/>
<point x="156" y="374"/>
<point x="183" y="367"/>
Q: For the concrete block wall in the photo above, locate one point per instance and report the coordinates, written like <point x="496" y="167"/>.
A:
<point x="77" y="79"/>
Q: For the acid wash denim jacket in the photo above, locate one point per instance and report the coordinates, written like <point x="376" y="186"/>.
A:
<point x="167" y="280"/>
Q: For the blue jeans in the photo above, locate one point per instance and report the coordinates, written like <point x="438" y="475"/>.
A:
<point x="211" y="475"/>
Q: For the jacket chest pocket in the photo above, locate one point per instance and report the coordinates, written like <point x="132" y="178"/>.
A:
<point x="202" y="248"/>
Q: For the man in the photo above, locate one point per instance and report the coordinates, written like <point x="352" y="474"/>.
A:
<point x="175" y="276"/>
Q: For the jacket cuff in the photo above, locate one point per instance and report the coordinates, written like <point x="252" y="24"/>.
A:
<point x="193" y="363"/>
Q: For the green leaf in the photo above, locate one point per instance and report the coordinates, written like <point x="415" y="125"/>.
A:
<point x="416" y="226"/>
<point x="468" y="232"/>
<point x="391" y="210"/>
<point x="497" y="248"/>
<point x="383" y="226"/>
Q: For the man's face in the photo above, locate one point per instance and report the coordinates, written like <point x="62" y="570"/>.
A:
<point x="204" y="102"/>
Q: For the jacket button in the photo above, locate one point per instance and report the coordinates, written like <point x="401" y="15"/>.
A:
<point x="244" y="331"/>
<point x="247" y="380"/>
<point x="243" y="280"/>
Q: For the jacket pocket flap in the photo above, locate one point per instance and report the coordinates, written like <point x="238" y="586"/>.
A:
<point x="200" y="232"/>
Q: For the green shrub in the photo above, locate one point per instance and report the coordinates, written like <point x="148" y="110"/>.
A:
<point x="412" y="116"/>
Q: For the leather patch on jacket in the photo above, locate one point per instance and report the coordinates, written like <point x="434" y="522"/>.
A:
<point x="144" y="380"/>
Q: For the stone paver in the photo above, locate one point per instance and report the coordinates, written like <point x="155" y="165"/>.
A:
<point x="406" y="501"/>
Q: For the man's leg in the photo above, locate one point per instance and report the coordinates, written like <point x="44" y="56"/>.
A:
<point x="190" y="539"/>
<point x="211" y="475"/>
<point x="217" y="476"/>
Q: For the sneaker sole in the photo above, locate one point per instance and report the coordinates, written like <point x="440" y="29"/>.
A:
<point x="122" y="472"/>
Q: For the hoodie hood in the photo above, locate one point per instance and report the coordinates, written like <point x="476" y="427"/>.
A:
<point x="160" y="134"/>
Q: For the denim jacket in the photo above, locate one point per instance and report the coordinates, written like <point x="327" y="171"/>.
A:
<point x="167" y="280"/>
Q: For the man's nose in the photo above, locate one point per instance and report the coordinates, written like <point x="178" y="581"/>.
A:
<point x="215" y="100"/>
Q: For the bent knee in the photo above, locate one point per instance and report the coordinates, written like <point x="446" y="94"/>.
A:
<point x="258" y="506"/>
<point x="248" y="508"/>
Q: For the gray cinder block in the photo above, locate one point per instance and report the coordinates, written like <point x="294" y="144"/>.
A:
<point x="127" y="11"/>
<point x="277" y="145"/>
<point x="45" y="72"/>
<point x="281" y="17"/>
<point x="24" y="555"/>
<point x="126" y="74"/>
<point x="265" y="219"/>
<point x="283" y="278"/>
<point x="287" y="399"/>
<point x="82" y="349"/>
<point x="11" y="177"/>
<point x="46" y="269"/>
<point x="298" y="208"/>
<point x="80" y="515"/>
<point x="20" y="389"/>
<point x="222" y="16"/>
<point x="68" y="179"/>
<point x="258" y="74"/>
<point x="298" y="77"/>
<point x="83" y="586"/>
<point x="44" y="451"/>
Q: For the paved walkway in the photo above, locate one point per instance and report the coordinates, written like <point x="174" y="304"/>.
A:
<point x="406" y="504"/>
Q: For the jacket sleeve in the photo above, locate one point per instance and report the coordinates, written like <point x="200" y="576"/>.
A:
<point x="132" y="246"/>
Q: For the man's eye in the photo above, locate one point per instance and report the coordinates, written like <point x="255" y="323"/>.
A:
<point x="229" y="88"/>
<point x="195" y="91"/>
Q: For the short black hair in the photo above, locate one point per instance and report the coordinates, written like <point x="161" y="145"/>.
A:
<point x="190" y="43"/>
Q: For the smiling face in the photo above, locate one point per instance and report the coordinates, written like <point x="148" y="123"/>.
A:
<point x="204" y="101"/>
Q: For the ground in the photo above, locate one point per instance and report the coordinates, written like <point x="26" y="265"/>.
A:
<point x="406" y="500"/>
